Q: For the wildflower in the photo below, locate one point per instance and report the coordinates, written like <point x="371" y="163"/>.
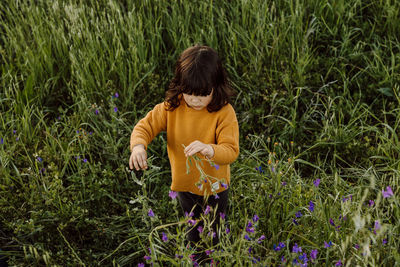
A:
<point x="140" y="264"/>
<point x="216" y="166"/>
<point x="273" y="169"/>
<point x="331" y="222"/>
<point x="295" y="222"/>
<point x="284" y="183"/>
<point x="227" y="230"/>
<point x="172" y="194"/>
<point x="303" y="258"/>
<point x="298" y="214"/>
<point x="371" y="203"/>
<point x="216" y="196"/>
<point x="115" y="109"/>
<point x="313" y="254"/>
<point x="311" y="207"/>
<point x="192" y="222"/>
<point x="280" y="246"/>
<point x="255" y="218"/>
<point x="283" y="259"/>
<point x="250" y="229"/>
<point x="247" y="237"/>
<point x="224" y="185"/>
<point x="191" y="214"/>
<point x="384" y="241"/>
<point x="316" y="182"/>
<point x="259" y="169"/>
<point x="296" y="248"/>
<point x="85" y="160"/>
<point x="356" y="246"/>
<point x="150" y="213"/>
<point x="328" y="245"/>
<point x="209" y="252"/>
<point x="339" y="263"/>
<point x="164" y="237"/>
<point x="147" y="258"/>
<point x="96" y="112"/>
<point x="178" y="256"/>
<point x="116" y="95"/>
<point x="388" y="192"/>
<point x="260" y="239"/>
<point x="377" y="226"/>
<point x="1" y="141"/>
<point x="249" y="224"/>
<point x="39" y="159"/>
<point x="207" y="211"/>
<point x="200" y="229"/>
<point x="222" y="215"/>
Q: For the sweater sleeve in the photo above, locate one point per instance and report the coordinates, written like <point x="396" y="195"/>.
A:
<point x="227" y="136"/>
<point x="149" y="127"/>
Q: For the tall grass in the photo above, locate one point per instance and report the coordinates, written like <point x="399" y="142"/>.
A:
<point x="317" y="98"/>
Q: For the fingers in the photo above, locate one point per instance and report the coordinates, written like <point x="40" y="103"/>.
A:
<point x="196" y="147"/>
<point x="138" y="160"/>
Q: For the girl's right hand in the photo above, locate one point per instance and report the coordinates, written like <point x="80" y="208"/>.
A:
<point x="138" y="158"/>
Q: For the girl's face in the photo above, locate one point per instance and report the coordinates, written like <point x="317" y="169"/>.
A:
<point x="198" y="102"/>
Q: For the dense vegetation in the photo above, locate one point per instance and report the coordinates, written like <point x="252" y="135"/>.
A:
<point x="318" y="104"/>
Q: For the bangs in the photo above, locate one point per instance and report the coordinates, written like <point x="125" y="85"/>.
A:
<point x="197" y="86"/>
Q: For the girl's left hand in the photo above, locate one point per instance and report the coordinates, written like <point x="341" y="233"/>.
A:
<point x="197" y="146"/>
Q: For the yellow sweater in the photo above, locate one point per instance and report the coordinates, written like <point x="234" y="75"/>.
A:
<point x="185" y="125"/>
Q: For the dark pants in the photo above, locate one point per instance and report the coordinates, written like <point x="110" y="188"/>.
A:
<point x="198" y="204"/>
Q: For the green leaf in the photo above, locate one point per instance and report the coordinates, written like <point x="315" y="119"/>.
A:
<point x="386" y="91"/>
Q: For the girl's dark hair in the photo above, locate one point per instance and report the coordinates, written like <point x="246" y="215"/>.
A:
<point x="198" y="71"/>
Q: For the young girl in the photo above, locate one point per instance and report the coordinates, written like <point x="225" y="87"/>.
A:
<point x="198" y="119"/>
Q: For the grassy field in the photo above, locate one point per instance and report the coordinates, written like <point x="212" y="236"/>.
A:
<point x="318" y="104"/>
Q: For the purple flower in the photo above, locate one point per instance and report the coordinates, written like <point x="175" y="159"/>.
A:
<point x="116" y="95"/>
<point x="209" y="252"/>
<point x="222" y="215"/>
<point x="192" y="222"/>
<point x="172" y="194"/>
<point x="371" y="203"/>
<point x="150" y="213"/>
<point x="216" y="196"/>
<point x="39" y="159"/>
<point x="96" y="112"/>
<point x="249" y="224"/>
<point x="147" y="258"/>
<point x="14" y="131"/>
<point x="224" y="185"/>
<point x="316" y="182"/>
<point x="328" y="245"/>
<point x="216" y="166"/>
<point x="191" y="214"/>
<point x="227" y="230"/>
<point x="260" y="239"/>
<point x="388" y="192"/>
<point x="259" y="169"/>
<point x="115" y="109"/>
<point x="247" y="237"/>
<point x="250" y="229"/>
<point x="140" y="264"/>
<point x="284" y="183"/>
<point x="200" y="229"/>
<point x="298" y="214"/>
<point x="255" y="218"/>
<point x="207" y="211"/>
<point x="280" y="246"/>
<point x="164" y="237"/>
<point x="331" y="222"/>
<point x="1" y="141"/>
<point x="178" y="256"/>
<point x="311" y="207"/>
<point x="384" y="241"/>
<point x="295" y="222"/>
<point x="356" y="246"/>
<point x="313" y="254"/>
<point x="339" y="263"/>
<point x="85" y="160"/>
<point x="296" y="248"/>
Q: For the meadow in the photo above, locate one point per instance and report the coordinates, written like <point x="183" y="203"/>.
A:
<point x="318" y="104"/>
